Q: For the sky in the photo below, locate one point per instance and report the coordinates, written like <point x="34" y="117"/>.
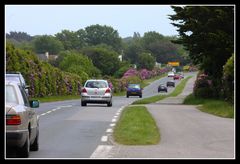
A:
<point x="52" y="19"/>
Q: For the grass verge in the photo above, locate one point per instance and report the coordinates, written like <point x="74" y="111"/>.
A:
<point x="136" y="127"/>
<point x="212" y="106"/>
<point x="56" y="98"/>
<point x="179" y="88"/>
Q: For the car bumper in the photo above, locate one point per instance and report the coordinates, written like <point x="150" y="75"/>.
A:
<point x="92" y="99"/>
<point x="16" y="138"/>
<point x="134" y="93"/>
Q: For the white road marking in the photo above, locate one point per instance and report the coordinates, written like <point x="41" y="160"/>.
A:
<point x="114" y="120"/>
<point x="48" y="112"/>
<point x="101" y="151"/>
<point x="109" y="130"/>
<point x="112" y="124"/>
<point x="66" y="106"/>
<point x="42" y="114"/>
<point x="115" y="116"/>
<point x="117" y="113"/>
<point x="104" y="138"/>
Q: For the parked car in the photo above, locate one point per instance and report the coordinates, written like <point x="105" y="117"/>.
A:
<point x="170" y="74"/>
<point x="96" y="91"/>
<point x="171" y="83"/>
<point x="162" y="87"/>
<point x="134" y="90"/>
<point x="17" y="76"/>
<point x="22" y="121"/>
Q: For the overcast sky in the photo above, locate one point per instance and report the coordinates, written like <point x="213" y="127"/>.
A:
<point x="51" y="19"/>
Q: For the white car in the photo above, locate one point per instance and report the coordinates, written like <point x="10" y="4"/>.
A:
<point x="171" y="74"/>
<point x="22" y="121"/>
<point x="96" y="91"/>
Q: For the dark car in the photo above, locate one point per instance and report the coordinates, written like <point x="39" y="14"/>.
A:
<point x="171" y="83"/>
<point x="162" y="87"/>
<point x="134" y="90"/>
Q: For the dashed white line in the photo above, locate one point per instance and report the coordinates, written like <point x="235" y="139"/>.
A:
<point x="112" y="125"/>
<point x="114" y="120"/>
<point x="109" y="130"/>
<point x="104" y="138"/>
<point x="49" y="111"/>
<point x="115" y="116"/>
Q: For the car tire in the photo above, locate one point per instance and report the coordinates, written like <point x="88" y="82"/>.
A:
<point x="140" y="96"/>
<point x="127" y="96"/>
<point x="35" y="145"/>
<point x="83" y="104"/>
<point x="109" y="104"/>
<point x="23" y="152"/>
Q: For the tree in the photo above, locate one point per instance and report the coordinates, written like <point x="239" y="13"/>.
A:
<point x="71" y="40"/>
<point x="47" y="43"/>
<point x="146" y="61"/>
<point x="79" y="64"/>
<point x="207" y="32"/>
<point x="97" y="34"/>
<point x="19" y="36"/>
<point x="104" y="59"/>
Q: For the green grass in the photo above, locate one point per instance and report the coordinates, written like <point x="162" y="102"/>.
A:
<point x="179" y="88"/>
<point x="56" y="98"/>
<point x="212" y="106"/>
<point x="136" y="127"/>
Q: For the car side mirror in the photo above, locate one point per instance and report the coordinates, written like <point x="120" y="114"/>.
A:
<point x="34" y="103"/>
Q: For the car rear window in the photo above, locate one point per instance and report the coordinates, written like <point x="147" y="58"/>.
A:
<point x="11" y="96"/>
<point x="96" y="84"/>
<point x="134" y="86"/>
<point x="13" y="78"/>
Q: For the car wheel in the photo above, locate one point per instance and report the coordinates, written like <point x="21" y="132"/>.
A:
<point x="35" y="146"/>
<point x="127" y="96"/>
<point x="83" y="103"/>
<point x="23" y="152"/>
<point x="140" y="96"/>
<point x="109" y="104"/>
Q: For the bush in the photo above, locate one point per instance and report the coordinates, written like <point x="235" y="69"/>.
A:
<point x="203" y="86"/>
<point x="43" y="79"/>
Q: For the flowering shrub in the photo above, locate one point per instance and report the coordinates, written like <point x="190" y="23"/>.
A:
<point x="203" y="86"/>
<point x="43" y="79"/>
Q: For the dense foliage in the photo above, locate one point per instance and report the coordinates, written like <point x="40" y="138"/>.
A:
<point x="44" y="79"/>
<point x="207" y="32"/>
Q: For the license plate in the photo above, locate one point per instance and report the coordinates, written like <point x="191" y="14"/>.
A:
<point x="133" y="92"/>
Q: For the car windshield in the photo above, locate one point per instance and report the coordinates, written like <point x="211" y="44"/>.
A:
<point x="96" y="84"/>
<point x="137" y="86"/>
<point x="10" y="94"/>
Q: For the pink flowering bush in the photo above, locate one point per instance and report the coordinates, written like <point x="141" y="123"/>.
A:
<point x="203" y="86"/>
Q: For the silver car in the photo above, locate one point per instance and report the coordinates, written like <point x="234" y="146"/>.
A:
<point x="22" y="122"/>
<point x="96" y="91"/>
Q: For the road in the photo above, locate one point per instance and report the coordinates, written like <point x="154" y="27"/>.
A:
<point x="68" y="130"/>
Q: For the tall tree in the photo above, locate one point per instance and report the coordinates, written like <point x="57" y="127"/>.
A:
<point x="104" y="59"/>
<point x="19" y="36"/>
<point x="46" y="43"/>
<point x="71" y="40"/>
<point x="97" y="34"/>
<point x="146" y="61"/>
<point x="207" y="32"/>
